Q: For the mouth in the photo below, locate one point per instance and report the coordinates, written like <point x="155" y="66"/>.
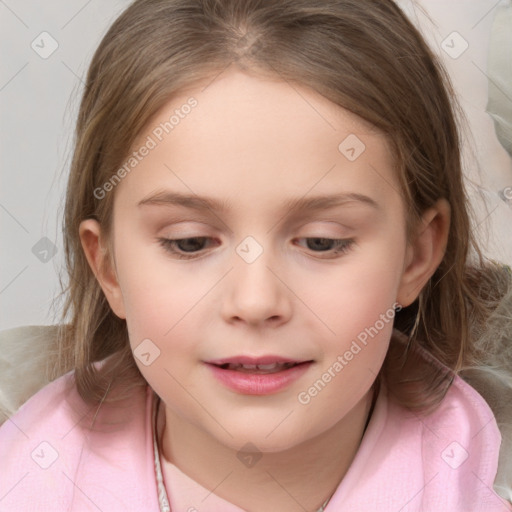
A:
<point x="261" y="364"/>
<point x="258" y="376"/>
<point x="260" y="368"/>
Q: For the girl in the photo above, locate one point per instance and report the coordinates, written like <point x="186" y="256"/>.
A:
<point x="273" y="284"/>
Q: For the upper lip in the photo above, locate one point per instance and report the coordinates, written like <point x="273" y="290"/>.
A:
<point x="269" y="359"/>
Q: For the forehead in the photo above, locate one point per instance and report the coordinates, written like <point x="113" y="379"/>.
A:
<point x="245" y="139"/>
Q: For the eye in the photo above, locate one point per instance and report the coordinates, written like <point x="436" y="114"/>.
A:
<point x="332" y="246"/>
<point x="187" y="248"/>
<point x="184" y="248"/>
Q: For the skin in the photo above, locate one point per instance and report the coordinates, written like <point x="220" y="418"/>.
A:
<point x="255" y="143"/>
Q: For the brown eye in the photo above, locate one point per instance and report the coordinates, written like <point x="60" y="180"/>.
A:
<point x="328" y="245"/>
<point x="184" y="248"/>
<point x="320" y="244"/>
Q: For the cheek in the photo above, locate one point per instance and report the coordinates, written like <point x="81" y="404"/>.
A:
<point x="360" y="316"/>
<point x="356" y="306"/>
<point x="353" y="295"/>
<point x="156" y="294"/>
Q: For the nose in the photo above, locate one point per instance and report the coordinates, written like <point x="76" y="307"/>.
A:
<point x="256" y="293"/>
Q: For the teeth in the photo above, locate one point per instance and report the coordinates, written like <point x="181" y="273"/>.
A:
<point x="267" y="366"/>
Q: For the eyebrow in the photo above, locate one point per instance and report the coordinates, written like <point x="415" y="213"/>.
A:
<point x="321" y="202"/>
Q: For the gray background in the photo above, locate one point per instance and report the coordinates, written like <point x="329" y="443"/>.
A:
<point x="39" y="98"/>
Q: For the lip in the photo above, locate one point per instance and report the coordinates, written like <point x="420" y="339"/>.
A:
<point x="267" y="359"/>
<point x="258" y="383"/>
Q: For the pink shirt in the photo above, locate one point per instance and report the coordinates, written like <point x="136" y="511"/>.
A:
<point x="50" y="460"/>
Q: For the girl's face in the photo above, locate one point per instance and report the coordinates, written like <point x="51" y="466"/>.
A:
<point x="255" y="277"/>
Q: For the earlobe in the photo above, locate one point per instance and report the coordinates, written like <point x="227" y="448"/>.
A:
<point x="425" y="252"/>
<point x="98" y="258"/>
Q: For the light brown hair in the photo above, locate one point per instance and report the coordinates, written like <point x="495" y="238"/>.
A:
<point x="363" y="55"/>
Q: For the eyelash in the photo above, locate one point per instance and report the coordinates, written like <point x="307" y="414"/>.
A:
<point x="343" y="245"/>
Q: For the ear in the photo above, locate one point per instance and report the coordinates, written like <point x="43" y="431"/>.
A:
<point x="99" y="261"/>
<point x="425" y="251"/>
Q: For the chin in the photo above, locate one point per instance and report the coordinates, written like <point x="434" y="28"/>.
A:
<point x="263" y="437"/>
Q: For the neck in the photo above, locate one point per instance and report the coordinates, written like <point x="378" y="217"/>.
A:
<point x="279" y="480"/>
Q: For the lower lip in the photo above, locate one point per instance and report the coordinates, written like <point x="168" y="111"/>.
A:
<point x="259" y="383"/>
